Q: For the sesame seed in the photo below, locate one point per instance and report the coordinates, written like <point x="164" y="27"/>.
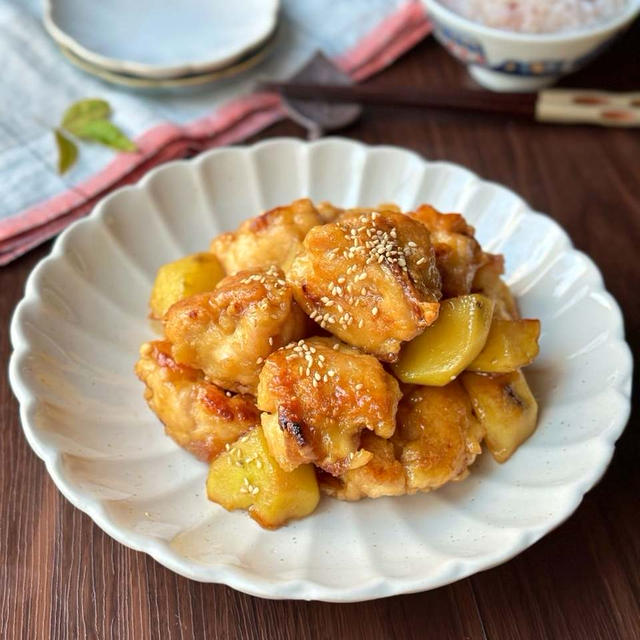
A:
<point x="360" y="323"/>
<point x="421" y="261"/>
<point x="271" y="340"/>
<point x="259" y="464"/>
<point x="359" y="386"/>
<point x="336" y="346"/>
<point x="374" y="311"/>
<point x="259" y="360"/>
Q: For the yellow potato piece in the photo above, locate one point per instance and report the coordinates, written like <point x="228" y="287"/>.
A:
<point x="182" y="278"/>
<point x="449" y="345"/>
<point x="511" y="345"/>
<point x="246" y="476"/>
<point x="506" y="409"/>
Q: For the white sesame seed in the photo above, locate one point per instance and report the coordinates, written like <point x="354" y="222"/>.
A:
<point x="259" y="360"/>
<point x="421" y="261"/>
<point x="359" y="386"/>
<point x="374" y="311"/>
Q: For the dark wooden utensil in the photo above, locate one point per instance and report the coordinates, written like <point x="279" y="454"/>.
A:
<point x="551" y="105"/>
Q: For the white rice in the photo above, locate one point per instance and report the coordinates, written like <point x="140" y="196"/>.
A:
<point x="537" y="16"/>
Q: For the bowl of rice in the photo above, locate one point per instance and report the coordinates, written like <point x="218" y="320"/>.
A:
<point x="525" y="45"/>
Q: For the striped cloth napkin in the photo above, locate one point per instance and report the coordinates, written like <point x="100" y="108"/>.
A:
<point x="362" y="36"/>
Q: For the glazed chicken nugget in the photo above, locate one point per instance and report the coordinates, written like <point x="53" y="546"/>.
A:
<point x="271" y="238"/>
<point x="383" y="475"/>
<point x="199" y="416"/>
<point x="319" y="395"/>
<point x="438" y="436"/>
<point x="229" y="331"/>
<point x="458" y="254"/>
<point x="370" y="279"/>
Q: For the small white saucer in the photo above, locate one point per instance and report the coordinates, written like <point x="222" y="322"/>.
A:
<point x="161" y="39"/>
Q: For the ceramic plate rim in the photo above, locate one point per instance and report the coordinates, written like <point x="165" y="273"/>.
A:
<point x="151" y="71"/>
<point x="243" y="579"/>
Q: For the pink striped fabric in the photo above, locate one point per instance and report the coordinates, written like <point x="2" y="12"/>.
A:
<point x="229" y="124"/>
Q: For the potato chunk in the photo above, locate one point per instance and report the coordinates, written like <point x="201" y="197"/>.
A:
<point x="383" y="475"/>
<point x="272" y="238"/>
<point x="182" y="278"/>
<point x="370" y="279"/>
<point x="506" y="408"/>
<point x="438" y="436"/>
<point x="511" y="345"/>
<point x="448" y="346"/>
<point x="230" y="331"/>
<point x="246" y="476"/>
<point x="318" y="395"/>
<point x="458" y="254"/>
<point x="199" y="416"/>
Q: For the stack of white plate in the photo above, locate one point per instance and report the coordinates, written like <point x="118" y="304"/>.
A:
<point x="163" y="43"/>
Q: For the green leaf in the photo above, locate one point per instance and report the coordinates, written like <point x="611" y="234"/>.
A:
<point x="106" y="133"/>
<point x="85" y="111"/>
<point x="67" y="152"/>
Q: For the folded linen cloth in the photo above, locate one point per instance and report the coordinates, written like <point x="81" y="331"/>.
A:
<point x="362" y="36"/>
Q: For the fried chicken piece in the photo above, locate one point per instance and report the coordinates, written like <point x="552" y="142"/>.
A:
<point x="370" y="279"/>
<point x="437" y="435"/>
<point x="273" y="237"/>
<point x="383" y="475"/>
<point x="328" y="212"/>
<point x="228" y="332"/>
<point x="458" y="254"/>
<point x="199" y="416"/>
<point x="319" y="395"/>
<point x="488" y="281"/>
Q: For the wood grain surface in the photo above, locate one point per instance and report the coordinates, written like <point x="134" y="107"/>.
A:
<point x="62" y="577"/>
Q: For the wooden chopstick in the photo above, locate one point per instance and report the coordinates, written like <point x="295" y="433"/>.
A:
<point x="551" y="105"/>
<point x="484" y="101"/>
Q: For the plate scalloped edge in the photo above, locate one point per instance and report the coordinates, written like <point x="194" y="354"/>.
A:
<point x="249" y="581"/>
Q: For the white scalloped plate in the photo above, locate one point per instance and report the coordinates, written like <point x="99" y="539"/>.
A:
<point x="76" y="335"/>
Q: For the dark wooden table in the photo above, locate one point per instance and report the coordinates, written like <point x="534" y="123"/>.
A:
<point x="62" y="577"/>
